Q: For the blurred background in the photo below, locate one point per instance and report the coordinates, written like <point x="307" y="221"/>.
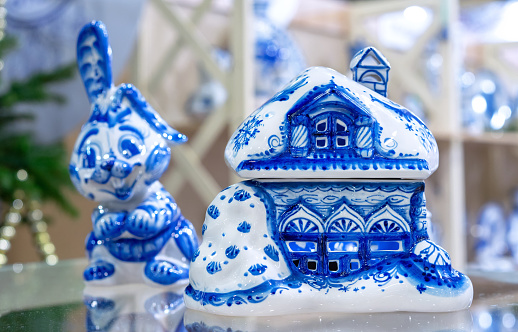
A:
<point x="205" y="65"/>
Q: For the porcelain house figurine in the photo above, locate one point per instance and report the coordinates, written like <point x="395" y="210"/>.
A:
<point x="334" y="218"/>
<point x="139" y="233"/>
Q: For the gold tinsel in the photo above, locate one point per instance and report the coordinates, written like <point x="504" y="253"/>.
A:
<point x="25" y="209"/>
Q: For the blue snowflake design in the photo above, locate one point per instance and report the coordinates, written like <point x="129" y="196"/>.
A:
<point x="421" y="288"/>
<point x="246" y="132"/>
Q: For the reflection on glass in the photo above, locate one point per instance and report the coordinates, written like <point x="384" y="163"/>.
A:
<point x="133" y="308"/>
<point x="396" y="321"/>
<point x="386" y="246"/>
<point x="342" y="246"/>
<point x="301" y="246"/>
<point x="495" y="318"/>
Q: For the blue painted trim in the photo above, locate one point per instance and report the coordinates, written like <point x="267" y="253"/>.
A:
<point x="332" y="163"/>
<point x="426" y="278"/>
<point x="254" y="295"/>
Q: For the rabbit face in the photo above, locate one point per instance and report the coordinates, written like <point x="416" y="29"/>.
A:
<point x="118" y="157"/>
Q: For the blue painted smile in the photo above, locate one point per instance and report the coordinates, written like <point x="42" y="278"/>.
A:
<point x="125" y="192"/>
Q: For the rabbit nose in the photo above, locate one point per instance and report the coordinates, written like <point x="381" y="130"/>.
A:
<point x="121" y="169"/>
<point x="117" y="168"/>
<point x="107" y="165"/>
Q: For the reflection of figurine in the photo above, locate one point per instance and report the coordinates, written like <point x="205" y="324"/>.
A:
<point x="512" y="235"/>
<point x="138" y="231"/>
<point x="327" y="223"/>
<point x="135" y="308"/>
<point x="277" y="57"/>
<point x="460" y="321"/>
<point x="491" y="238"/>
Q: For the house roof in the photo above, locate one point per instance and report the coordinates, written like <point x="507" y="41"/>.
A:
<point x="360" y="56"/>
<point x="403" y="146"/>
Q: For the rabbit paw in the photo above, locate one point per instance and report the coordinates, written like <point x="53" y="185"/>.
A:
<point x="98" y="270"/>
<point x="164" y="272"/>
<point x="109" y="225"/>
<point x="143" y="224"/>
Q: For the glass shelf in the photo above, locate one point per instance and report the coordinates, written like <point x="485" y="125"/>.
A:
<point x="37" y="297"/>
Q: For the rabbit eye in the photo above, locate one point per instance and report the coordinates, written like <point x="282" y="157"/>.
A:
<point x="129" y="147"/>
<point x="89" y="157"/>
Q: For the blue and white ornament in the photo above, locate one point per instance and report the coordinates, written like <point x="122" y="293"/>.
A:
<point x="277" y="57"/>
<point x="139" y="233"/>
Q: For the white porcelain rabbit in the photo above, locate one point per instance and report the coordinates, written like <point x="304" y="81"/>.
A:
<point x="139" y="233"/>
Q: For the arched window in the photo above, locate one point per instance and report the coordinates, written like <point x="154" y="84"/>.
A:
<point x="388" y="234"/>
<point x="344" y="233"/>
<point x="374" y="80"/>
<point x="301" y="231"/>
<point x="345" y="243"/>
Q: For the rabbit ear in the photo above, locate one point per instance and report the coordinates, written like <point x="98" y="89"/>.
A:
<point x="94" y="59"/>
<point x="151" y="116"/>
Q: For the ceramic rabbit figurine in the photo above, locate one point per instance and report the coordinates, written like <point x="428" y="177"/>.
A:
<point x="139" y="233"/>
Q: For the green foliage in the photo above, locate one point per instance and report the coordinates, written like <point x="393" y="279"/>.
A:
<point x="46" y="165"/>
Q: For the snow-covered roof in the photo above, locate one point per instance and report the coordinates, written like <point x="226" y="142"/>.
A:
<point x="359" y="58"/>
<point x="383" y="139"/>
